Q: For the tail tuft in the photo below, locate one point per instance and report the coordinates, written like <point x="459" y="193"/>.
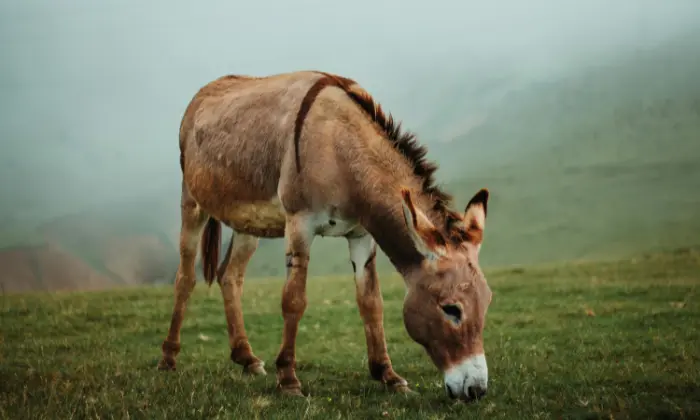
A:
<point x="211" y="243"/>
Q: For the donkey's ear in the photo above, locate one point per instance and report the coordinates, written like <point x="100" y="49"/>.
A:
<point x="426" y="238"/>
<point x="475" y="216"/>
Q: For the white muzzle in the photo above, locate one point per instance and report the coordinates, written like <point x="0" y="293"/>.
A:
<point x="468" y="380"/>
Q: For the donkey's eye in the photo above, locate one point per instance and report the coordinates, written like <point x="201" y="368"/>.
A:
<point x="453" y="312"/>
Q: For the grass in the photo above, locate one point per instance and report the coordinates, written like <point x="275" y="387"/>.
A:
<point x="581" y="340"/>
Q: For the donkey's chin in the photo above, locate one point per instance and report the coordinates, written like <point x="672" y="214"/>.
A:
<point x="468" y="380"/>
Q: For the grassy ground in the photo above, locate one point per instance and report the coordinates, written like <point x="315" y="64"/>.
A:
<point x="593" y="340"/>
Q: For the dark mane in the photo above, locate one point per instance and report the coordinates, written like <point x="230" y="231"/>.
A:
<point x="404" y="141"/>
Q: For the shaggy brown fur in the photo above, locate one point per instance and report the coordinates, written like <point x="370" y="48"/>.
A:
<point x="404" y="141"/>
<point x="307" y="154"/>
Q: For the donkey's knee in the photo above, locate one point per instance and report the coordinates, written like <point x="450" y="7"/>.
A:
<point x="294" y="299"/>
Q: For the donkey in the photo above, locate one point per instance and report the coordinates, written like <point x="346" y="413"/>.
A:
<point x="308" y="153"/>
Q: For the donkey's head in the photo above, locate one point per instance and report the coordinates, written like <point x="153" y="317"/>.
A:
<point x="445" y="306"/>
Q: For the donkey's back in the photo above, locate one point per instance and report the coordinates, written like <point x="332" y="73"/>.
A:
<point x="235" y="137"/>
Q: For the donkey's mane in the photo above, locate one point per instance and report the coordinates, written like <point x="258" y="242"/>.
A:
<point x="404" y="141"/>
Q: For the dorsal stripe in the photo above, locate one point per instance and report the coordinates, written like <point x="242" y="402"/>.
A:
<point x="405" y="142"/>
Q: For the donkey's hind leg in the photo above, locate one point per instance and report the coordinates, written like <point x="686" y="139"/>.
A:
<point x="363" y="251"/>
<point x="193" y="219"/>
<point x="230" y="276"/>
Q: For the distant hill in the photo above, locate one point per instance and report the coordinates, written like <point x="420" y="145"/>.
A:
<point x="604" y="162"/>
<point x="642" y="106"/>
<point x="47" y="267"/>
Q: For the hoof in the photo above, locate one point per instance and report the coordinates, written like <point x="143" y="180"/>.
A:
<point x="166" y="365"/>
<point x="255" y="369"/>
<point x="290" y="390"/>
<point x="399" y="385"/>
<point x="403" y="389"/>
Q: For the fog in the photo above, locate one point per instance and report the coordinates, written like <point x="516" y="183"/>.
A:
<point x="91" y="93"/>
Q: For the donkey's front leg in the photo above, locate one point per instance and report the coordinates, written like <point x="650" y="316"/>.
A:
<point x="298" y="238"/>
<point x="363" y="251"/>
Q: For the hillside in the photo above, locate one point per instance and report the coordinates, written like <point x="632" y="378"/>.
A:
<point x="631" y="109"/>
<point x="47" y="267"/>
<point x="601" y="163"/>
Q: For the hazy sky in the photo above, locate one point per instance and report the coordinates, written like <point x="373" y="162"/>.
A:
<point x="91" y="92"/>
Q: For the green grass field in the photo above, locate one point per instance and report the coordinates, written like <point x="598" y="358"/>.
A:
<point x="587" y="340"/>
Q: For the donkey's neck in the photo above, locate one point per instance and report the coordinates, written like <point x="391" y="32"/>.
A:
<point x="386" y="223"/>
<point x="381" y="165"/>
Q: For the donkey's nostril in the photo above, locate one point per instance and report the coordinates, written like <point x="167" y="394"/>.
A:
<point x="449" y="392"/>
<point x="475" y="392"/>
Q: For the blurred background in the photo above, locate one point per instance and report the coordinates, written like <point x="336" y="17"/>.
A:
<point x="582" y="118"/>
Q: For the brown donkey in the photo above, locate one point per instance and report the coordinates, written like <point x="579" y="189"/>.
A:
<point x="303" y="154"/>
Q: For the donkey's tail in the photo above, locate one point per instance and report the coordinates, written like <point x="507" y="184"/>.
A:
<point x="211" y="242"/>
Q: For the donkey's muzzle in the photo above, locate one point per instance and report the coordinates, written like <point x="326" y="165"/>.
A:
<point x="467" y="380"/>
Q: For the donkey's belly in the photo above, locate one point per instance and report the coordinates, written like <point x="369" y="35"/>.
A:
<point x="266" y="219"/>
<point x="263" y="219"/>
